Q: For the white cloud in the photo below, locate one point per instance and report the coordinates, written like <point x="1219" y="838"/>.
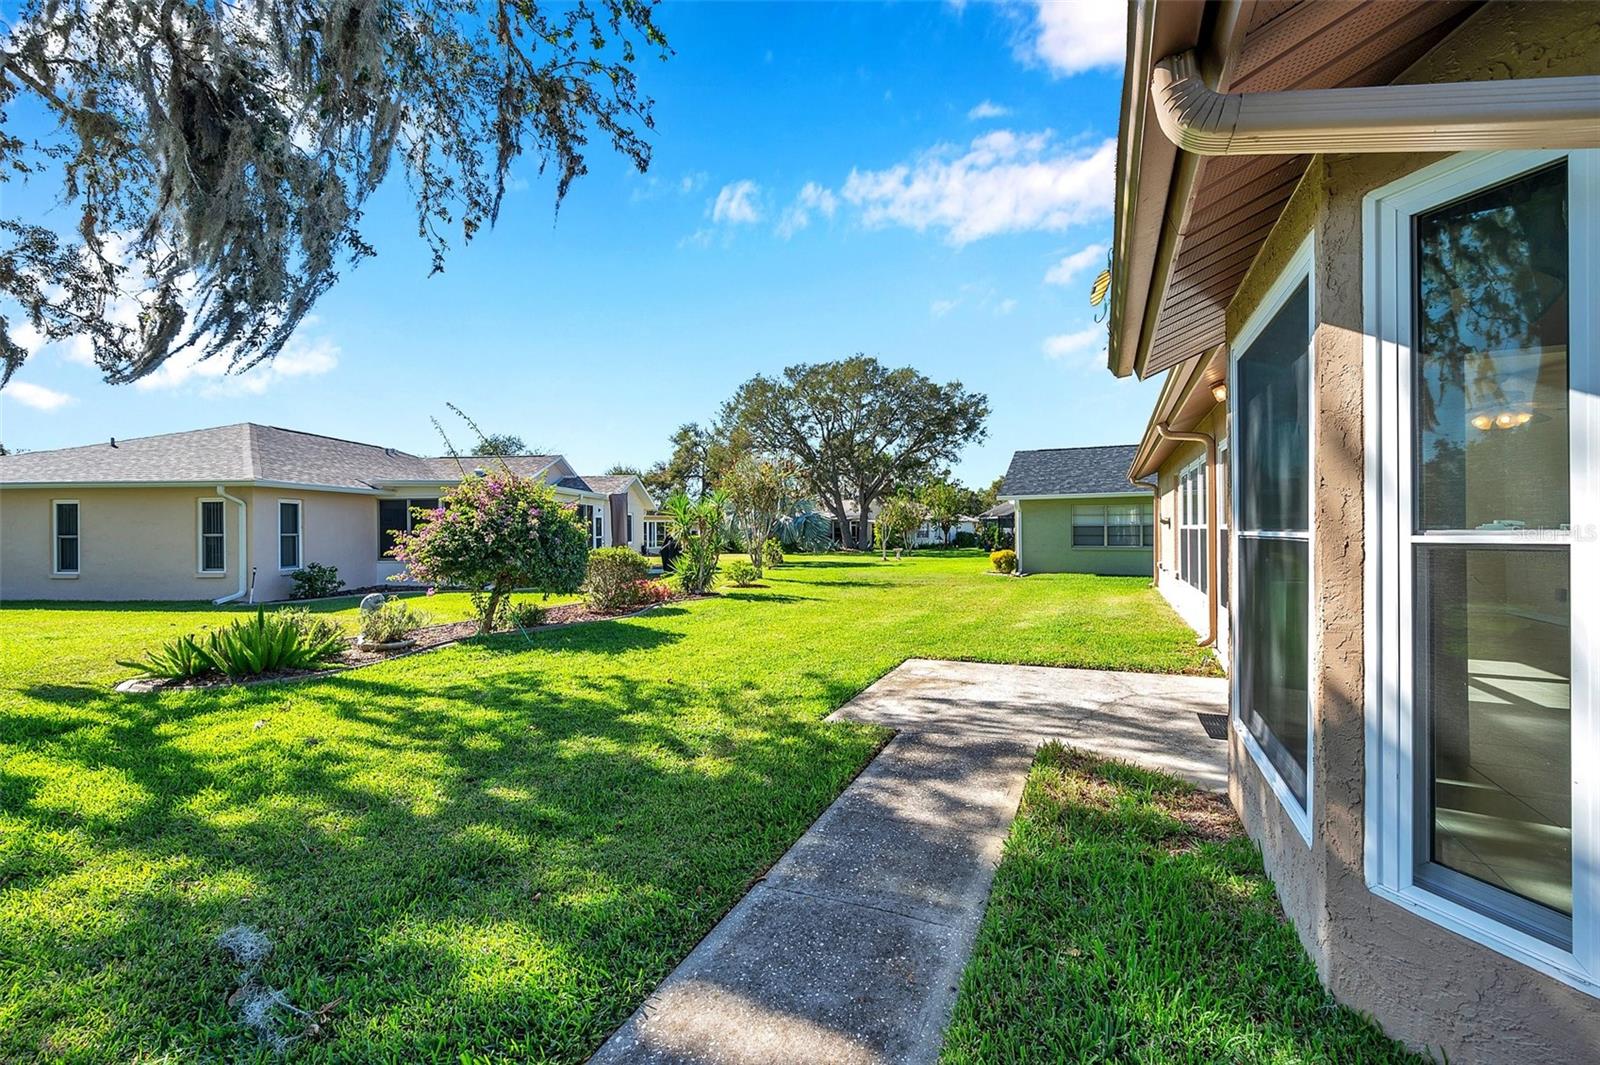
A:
<point x="1068" y="269"/>
<point x="1005" y="306"/>
<point x="1004" y="182"/>
<point x="812" y="198"/>
<point x="987" y="109"/>
<point x="1086" y="345"/>
<point x="738" y="204"/>
<point x="302" y="357"/>
<point x="940" y="308"/>
<point x="37" y="396"/>
<point x="1071" y="37"/>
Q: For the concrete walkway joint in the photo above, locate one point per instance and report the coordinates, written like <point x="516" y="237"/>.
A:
<point x="851" y="949"/>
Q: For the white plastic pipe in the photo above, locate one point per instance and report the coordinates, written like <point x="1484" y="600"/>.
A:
<point x="244" y="549"/>
<point x="1438" y="117"/>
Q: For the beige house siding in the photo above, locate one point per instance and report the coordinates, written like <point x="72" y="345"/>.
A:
<point x="337" y="529"/>
<point x="134" y="543"/>
<point x="1424" y="984"/>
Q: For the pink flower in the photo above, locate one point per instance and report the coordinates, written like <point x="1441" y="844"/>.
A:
<point x="432" y="590"/>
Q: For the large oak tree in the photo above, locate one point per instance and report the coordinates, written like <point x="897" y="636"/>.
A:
<point x="215" y="158"/>
<point x="857" y="428"/>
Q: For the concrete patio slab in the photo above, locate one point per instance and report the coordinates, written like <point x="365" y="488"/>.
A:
<point x="851" y="948"/>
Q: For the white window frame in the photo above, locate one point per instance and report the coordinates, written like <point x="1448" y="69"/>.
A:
<point x="1192" y="518"/>
<point x="1300" y="267"/>
<point x="298" y="534"/>
<point x="55" y="541"/>
<point x="200" y="537"/>
<point x="1391" y="766"/>
<point x="598" y="532"/>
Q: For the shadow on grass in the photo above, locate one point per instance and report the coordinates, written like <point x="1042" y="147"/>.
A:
<point x="408" y="836"/>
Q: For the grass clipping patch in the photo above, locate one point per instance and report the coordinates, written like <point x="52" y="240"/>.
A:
<point x="1131" y="921"/>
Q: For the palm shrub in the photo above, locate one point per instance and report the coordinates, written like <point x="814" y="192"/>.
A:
<point x="697" y="526"/>
<point x="614" y="576"/>
<point x="266" y="643"/>
<point x="492" y="534"/>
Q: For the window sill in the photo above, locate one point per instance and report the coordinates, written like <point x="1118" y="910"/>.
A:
<point x="211" y="574"/>
<point x="1298" y="816"/>
<point x="1486" y="932"/>
<point x="63" y="576"/>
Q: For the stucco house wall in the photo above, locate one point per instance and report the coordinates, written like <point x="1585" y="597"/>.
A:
<point x="1374" y="955"/>
<point x="1045" y="543"/>
<point x="133" y="544"/>
<point x="337" y="529"/>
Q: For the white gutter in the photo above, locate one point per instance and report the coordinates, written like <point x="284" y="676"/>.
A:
<point x="1438" y="117"/>
<point x="244" y="549"/>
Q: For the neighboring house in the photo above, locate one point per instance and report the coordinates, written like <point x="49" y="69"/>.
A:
<point x="629" y="507"/>
<point x="1378" y="451"/>
<point x="229" y="513"/>
<point x="1077" y="512"/>
<point x="1002" y="514"/>
<point x="846" y="531"/>
<point x="930" y="535"/>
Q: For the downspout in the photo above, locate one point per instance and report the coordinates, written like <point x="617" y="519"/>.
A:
<point x="1440" y="117"/>
<point x="1155" y="526"/>
<point x="1212" y="561"/>
<point x="244" y="549"/>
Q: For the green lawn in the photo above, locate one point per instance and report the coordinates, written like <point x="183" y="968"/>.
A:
<point x="488" y="852"/>
<point x="1131" y="922"/>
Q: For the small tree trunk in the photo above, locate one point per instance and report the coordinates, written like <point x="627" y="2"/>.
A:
<point x="497" y="592"/>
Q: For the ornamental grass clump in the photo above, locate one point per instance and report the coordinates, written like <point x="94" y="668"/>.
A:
<point x="494" y="533"/>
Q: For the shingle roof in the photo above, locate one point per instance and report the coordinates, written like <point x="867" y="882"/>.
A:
<point x="999" y="510"/>
<point x="244" y="452"/>
<point x="608" y="483"/>
<point x="1065" y="471"/>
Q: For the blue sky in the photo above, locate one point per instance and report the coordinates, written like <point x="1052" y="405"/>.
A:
<point x="926" y="183"/>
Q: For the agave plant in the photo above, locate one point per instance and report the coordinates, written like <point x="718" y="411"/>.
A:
<point x="266" y="643"/>
<point x="178" y="659"/>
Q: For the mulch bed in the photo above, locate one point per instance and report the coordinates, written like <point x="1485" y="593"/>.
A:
<point x="426" y="638"/>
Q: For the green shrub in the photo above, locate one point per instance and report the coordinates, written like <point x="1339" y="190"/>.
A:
<point x="1004" y="561"/>
<point x="315" y="581"/>
<point x="966" y="539"/>
<point x="741" y="571"/>
<point x="613" y="574"/>
<point x="772" y="552"/>
<point x="524" y="614"/>
<point x="179" y="659"/>
<point x="391" y="622"/>
<point x="266" y="643"/>
<point x="316" y="628"/>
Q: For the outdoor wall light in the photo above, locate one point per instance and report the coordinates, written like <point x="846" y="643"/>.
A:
<point x="1506" y="419"/>
<point x="1219" y="392"/>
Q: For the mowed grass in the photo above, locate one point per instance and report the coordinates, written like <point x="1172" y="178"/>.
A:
<point x="1131" y="921"/>
<point x="490" y="852"/>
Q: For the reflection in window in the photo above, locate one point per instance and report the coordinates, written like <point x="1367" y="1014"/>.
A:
<point x="1494" y="683"/>
<point x="1491" y="358"/>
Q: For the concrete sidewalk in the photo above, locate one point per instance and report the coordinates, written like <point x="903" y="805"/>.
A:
<point x="851" y="948"/>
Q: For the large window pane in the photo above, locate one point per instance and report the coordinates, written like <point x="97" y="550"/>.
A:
<point x="1493" y="694"/>
<point x="66" y="519"/>
<point x="1088" y="526"/>
<point x="1272" y="382"/>
<point x="1491" y="358"/>
<point x="392" y="518"/>
<point x="1272" y="616"/>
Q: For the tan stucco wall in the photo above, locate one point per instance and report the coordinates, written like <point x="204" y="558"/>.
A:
<point x="1425" y="985"/>
<point x="1046" y="541"/>
<point x="141" y="543"/>
<point x="133" y="544"/>
<point x="337" y="530"/>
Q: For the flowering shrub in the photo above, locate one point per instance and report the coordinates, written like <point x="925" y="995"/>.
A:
<point x="494" y="533"/>
<point x="613" y="573"/>
<point x="649" y="593"/>
<point x="1004" y="561"/>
